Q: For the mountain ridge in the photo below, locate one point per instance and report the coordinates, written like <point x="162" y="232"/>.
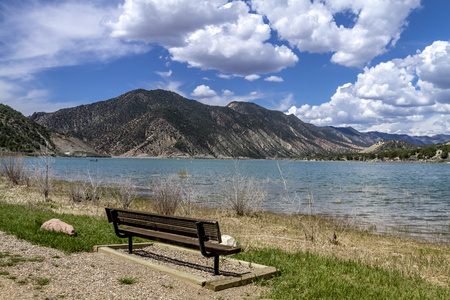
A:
<point x="164" y="124"/>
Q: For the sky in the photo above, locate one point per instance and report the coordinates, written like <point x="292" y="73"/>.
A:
<point x="374" y="65"/>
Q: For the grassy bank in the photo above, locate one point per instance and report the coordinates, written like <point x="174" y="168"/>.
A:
<point x="359" y="265"/>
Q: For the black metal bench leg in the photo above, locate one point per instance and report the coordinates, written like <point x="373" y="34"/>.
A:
<point x="216" y="264"/>
<point x="130" y="244"/>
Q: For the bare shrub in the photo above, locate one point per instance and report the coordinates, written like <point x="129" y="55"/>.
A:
<point x="124" y="192"/>
<point x="94" y="189"/>
<point x="244" y="195"/>
<point x="84" y="189"/>
<point x="308" y="220"/>
<point x="167" y="195"/>
<point x="13" y="168"/>
<point x="190" y="196"/>
<point x="43" y="174"/>
<point x="77" y="191"/>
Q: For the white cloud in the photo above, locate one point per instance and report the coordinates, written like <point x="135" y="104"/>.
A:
<point x="252" y="77"/>
<point x="37" y="36"/>
<point x="165" y="74"/>
<point x="169" y="85"/>
<point x="208" y="96"/>
<point x="227" y="93"/>
<point x="408" y="95"/>
<point x="311" y="26"/>
<point x="274" y="79"/>
<point x="203" y="91"/>
<point x="225" y="76"/>
<point x="217" y="34"/>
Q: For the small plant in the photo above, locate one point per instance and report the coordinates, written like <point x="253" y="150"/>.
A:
<point x="5" y="273"/>
<point x="36" y="259"/>
<point x="42" y="281"/>
<point x="127" y="280"/>
<point x="22" y="282"/>
<point x="182" y="173"/>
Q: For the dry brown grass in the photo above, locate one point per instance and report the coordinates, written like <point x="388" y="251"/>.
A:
<point x="270" y="230"/>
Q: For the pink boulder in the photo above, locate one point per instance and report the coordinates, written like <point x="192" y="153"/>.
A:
<point x="58" y="225"/>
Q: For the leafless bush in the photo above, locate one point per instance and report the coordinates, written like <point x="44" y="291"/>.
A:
<point x="244" y="195"/>
<point x="190" y="196"/>
<point x="308" y="220"/>
<point x="167" y="195"/>
<point x="13" y="168"/>
<point x="124" y="192"/>
<point x="77" y="191"/>
<point x="84" y="189"/>
<point x="43" y="174"/>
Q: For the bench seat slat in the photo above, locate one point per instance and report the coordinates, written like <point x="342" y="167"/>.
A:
<point x="184" y="241"/>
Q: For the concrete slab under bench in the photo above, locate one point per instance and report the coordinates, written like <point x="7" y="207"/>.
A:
<point x="216" y="284"/>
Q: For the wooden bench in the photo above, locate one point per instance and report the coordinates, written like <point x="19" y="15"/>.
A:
<point x="186" y="232"/>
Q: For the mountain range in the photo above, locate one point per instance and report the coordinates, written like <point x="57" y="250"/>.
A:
<point x="165" y="124"/>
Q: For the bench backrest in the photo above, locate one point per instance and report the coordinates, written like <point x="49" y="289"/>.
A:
<point x="170" y="224"/>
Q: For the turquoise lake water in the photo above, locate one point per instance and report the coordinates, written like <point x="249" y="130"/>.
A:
<point x="410" y="199"/>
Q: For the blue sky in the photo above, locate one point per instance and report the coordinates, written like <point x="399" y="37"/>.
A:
<point x="379" y="65"/>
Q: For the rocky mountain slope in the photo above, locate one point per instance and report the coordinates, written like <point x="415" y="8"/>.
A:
<point x="163" y="123"/>
<point x="21" y="135"/>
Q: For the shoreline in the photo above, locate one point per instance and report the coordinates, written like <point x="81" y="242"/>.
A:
<point x="278" y="231"/>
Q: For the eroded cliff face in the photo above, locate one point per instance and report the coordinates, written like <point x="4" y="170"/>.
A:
<point x="164" y="124"/>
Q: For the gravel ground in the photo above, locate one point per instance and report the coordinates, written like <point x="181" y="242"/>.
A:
<point x="45" y="273"/>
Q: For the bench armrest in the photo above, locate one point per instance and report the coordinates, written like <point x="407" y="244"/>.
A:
<point x="202" y="238"/>
<point x="113" y="215"/>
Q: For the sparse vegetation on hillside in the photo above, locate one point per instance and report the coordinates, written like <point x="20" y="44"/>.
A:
<point x="20" y="134"/>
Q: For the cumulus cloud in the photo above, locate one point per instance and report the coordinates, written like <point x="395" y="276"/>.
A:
<point x="274" y="79"/>
<point x="206" y="34"/>
<point x="203" y="91"/>
<point x="37" y="36"/>
<point x="371" y="27"/>
<point x="252" y="77"/>
<point x="410" y="95"/>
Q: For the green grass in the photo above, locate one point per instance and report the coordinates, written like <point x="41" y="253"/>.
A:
<point x="310" y="276"/>
<point x="25" y="223"/>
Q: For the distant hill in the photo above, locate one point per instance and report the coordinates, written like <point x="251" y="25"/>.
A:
<point x="163" y="123"/>
<point x="370" y="138"/>
<point x="389" y="145"/>
<point x="20" y="134"/>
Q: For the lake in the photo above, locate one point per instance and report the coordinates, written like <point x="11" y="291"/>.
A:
<point x="411" y="199"/>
